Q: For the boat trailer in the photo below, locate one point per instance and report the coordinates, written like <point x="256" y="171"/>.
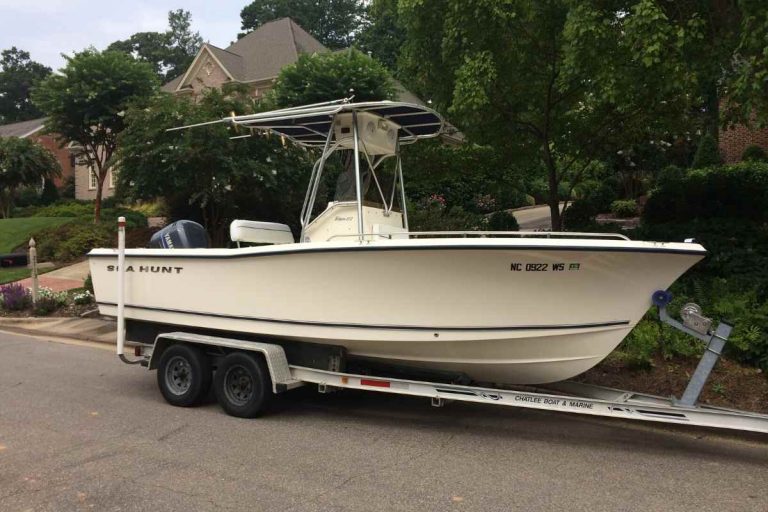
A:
<point x="271" y="368"/>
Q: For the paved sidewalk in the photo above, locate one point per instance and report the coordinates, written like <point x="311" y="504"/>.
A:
<point x="62" y="279"/>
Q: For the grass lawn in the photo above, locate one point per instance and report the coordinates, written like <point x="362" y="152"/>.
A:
<point x="10" y="274"/>
<point x="15" y="232"/>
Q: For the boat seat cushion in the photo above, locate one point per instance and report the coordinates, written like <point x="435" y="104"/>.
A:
<point x="255" y="232"/>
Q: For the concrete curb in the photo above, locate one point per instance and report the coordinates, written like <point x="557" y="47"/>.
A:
<point x="99" y="330"/>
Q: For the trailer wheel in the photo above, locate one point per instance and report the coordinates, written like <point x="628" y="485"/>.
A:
<point x="242" y="385"/>
<point x="184" y="375"/>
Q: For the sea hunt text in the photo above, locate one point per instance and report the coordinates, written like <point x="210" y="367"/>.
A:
<point x="157" y="269"/>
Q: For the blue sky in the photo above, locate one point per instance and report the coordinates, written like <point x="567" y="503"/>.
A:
<point x="47" y="28"/>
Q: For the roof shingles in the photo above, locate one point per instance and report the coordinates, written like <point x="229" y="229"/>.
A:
<point x="261" y="54"/>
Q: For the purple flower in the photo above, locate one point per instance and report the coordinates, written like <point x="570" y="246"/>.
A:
<point x="15" y="297"/>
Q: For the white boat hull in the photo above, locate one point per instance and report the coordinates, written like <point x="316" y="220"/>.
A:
<point x="521" y="311"/>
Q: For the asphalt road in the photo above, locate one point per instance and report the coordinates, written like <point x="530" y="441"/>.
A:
<point x="535" y="218"/>
<point x="81" y="431"/>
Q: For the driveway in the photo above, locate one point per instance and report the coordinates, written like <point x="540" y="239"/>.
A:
<point x="535" y="218"/>
<point x="81" y="431"/>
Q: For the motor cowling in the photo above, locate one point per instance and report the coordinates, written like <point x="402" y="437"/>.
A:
<point x="182" y="234"/>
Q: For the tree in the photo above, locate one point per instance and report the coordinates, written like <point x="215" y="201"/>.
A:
<point x="19" y="74"/>
<point x="171" y="52"/>
<point x="203" y="173"/>
<point x="22" y="162"/>
<point x="332" y="22"/>
<point x="383" y="35"/>
<point x="564" y="83"/>
<point x="332" y="76"/>
<point x="86" y="103"/>
<point x="707" y="153"/>
<point x="746" y="93"/>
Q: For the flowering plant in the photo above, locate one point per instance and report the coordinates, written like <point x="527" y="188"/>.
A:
<point x="82" y="298"/>
<point x="15" y="297"/>
<point x="485" y="202"/>
<point x="434" y="200"/>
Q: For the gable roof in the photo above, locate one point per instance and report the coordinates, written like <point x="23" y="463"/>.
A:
<point x="272" y="46"/>
<point x="22" y="129"/>
<point x="261" y="54"/>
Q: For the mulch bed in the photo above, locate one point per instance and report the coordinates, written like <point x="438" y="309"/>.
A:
<point x="729" y="385"/>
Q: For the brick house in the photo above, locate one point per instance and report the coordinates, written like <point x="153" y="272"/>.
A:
<point x="254" y="60"/>
<point x="734" y="140"/>
<point x="66" y="155"/>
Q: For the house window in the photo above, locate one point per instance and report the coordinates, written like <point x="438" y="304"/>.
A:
<point x="112" y="178"/>
<point x="93" y="180"/>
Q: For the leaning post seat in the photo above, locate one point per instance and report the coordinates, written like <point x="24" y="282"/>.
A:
<point x="255" y="232"/>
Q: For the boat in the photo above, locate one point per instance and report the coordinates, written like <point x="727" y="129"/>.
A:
<point x="500" y="307"/>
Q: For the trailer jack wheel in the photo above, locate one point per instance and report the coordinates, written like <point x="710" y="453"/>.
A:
<point x="242" y="385"/>
<point x="184" y="375"/>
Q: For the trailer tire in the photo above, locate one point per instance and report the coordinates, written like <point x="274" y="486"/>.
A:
<point x="242" y="385"/>
<point x="184" y="375"/>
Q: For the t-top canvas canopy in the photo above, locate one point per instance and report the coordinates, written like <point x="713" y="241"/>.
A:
<point x="309" y="125"/>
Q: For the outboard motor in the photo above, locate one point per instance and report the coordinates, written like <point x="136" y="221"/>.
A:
<point x="182" y="234"/>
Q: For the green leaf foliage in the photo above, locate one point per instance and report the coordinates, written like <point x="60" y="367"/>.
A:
<point x="86" y="101"/>
<point x="18" y="75"/>
<point x="565" y="83"/>
<point x="203" y="173"/>
<point x="624" y="208"/>
<point x="383" y="36"/>
<point x="332" y="76"/>
<point x="334" y="23"/>
<point x="737" y="191"/>
<point x="22" y="162"/>
<point x="754" y="154"/>
<point x="707" y="153"/>
<point x="170" y="52"/>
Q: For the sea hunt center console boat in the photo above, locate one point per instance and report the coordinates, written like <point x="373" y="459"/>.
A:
<point x="512" y="307"/>
<point x="362" y="302"/>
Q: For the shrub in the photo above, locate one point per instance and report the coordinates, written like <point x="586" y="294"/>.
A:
<point x="503" y="221"/>
<point x="639" y="347"/>
<point x="50" y="193"/>
<point x="754" y="154"/>
<point x="669" y="175"/>
<point x="15" y="297"/>
<point x="66" y="209"/>
<point x="67" y="190"/>
<point x="49" y="301"/>
<point x="599" y="194"/>
<point x="156" y="208"/>
<point x="73" y="240"/>
<point x="729" y="283"/>
<point x="624" y="208"/>
<point x="435" y="217"/>
<point x="84" y="209"/>
<point x="82" y="298"/>
<point x="88" y="283"/>
<point x="707" y="153"/>
<point x="27" y="196"/>
<point x="731" y="191"/>
<point x="133" y="219"/>
<point x="579" y="216"/>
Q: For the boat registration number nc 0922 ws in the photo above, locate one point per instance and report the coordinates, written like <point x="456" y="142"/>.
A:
<point x="544" y="267"/>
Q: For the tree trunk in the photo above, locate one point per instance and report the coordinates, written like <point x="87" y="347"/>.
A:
<point x="7" y="202"/>
<point x="553" y="198"/>
<point x="712" y="106"/>
<point x="97" y="205"/>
